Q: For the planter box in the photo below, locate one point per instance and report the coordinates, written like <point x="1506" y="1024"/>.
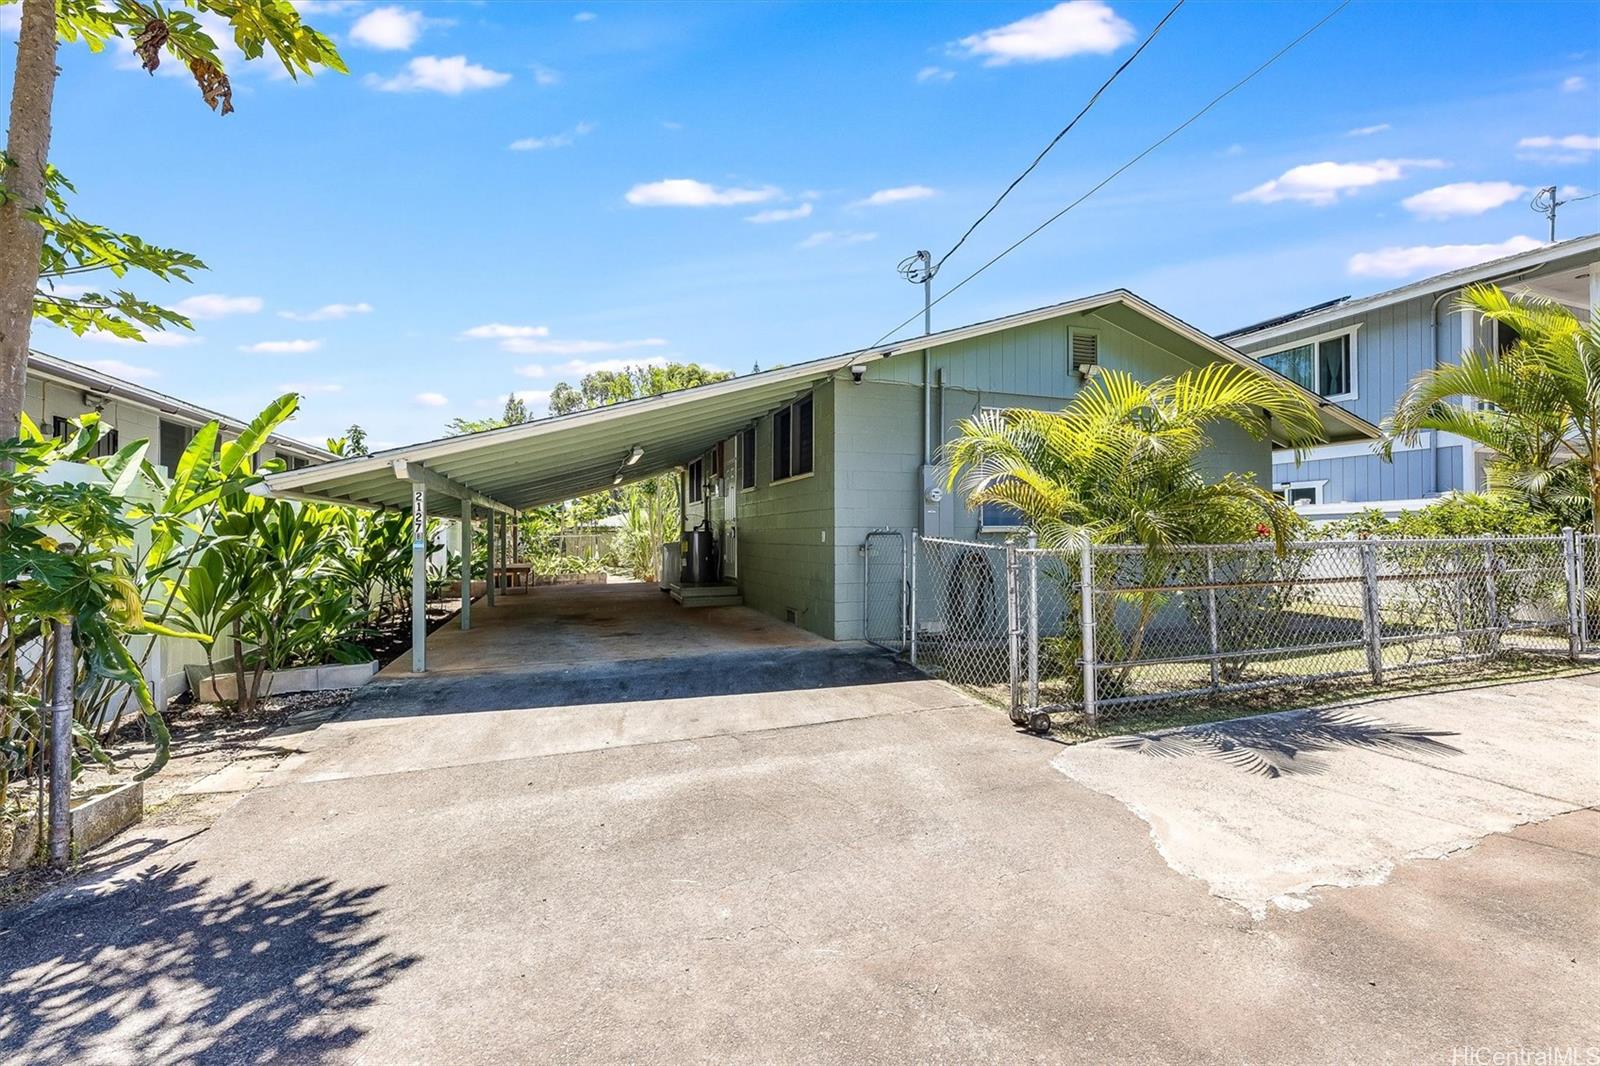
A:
<point x="95" y="819"/>
<point x="222" y="686"/>
<point x="567" y="579"/>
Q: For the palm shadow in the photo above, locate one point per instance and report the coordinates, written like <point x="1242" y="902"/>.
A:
<point x="1284" y="745"/>
<point x="165" y="968"/>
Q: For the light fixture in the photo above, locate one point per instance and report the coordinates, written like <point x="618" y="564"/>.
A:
<point x="618" y="479"/>
<point x="635" y="455"/>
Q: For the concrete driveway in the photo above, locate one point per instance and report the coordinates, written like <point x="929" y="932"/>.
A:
<point x="808" y="854"/>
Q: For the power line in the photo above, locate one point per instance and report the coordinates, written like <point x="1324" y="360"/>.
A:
<point x="1126" y="63"/>
<point x="1191" y="120"/>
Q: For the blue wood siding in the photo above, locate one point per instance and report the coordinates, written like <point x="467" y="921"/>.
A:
<point x="1368" y="479"/>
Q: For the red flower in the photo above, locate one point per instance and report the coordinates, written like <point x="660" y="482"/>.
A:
<point x="1263" y="531"/>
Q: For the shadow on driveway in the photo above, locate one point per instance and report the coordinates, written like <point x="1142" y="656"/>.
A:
<point x="1281" y="745"/>
<point x="169" y="968"/>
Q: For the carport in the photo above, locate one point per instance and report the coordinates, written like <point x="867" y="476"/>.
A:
<point x="495" y="474"/>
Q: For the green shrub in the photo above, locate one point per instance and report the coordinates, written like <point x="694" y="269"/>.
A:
<point x="1459" y="514"/>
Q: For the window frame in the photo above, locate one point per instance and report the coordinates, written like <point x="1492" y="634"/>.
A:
<point x="1287" y="489"/>
<point x="1350" y="333"/>
<point x="784" y="458"/>
<point x="694" y="489"/>
<point x="748" y="477"/>
<point x="105" y="446"/>
<point x="985" y="527"/>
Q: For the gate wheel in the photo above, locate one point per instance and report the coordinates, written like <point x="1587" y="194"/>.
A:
<point x="1039" y="722"/>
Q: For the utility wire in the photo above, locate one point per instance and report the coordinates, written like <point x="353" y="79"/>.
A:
<point x="1191" y="120"/>
<point x="1126" y="63"/>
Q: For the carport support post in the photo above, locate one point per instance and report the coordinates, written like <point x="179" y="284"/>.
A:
<point x="419" y="577"/>
<point x="488" y="569"/>
<point x="466" y="564"/>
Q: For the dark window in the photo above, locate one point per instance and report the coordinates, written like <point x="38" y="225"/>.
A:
<point x="1333" y="366"/>
<point x="294" y="462"/>
<point x="1323" y="367"/>
<point x="1505" y="338"/>
<point x="175" y="437"/>
<point x="792" y="451"/>
<point x="1000" y="516"/>
<point x="697" y="481"/>
<point x="61" y="428"/>
<point x="747" y="458"/>
<point x="782" y="442"/>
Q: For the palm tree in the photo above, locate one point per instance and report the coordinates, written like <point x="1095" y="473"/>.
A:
<point x="1535" y="404"/>
<point x="1118" y="464"/>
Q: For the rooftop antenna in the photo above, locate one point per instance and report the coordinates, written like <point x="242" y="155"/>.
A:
<point x="919" y="270"/>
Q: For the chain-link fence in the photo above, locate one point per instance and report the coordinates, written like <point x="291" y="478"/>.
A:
<point x="1008" y="622"/>
<point x="885" y="585"/>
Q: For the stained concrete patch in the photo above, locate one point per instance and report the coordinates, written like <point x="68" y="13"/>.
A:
<point x="1265" y="809"/>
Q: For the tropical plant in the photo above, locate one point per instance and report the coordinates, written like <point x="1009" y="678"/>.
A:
<point x="31" y="215"/>
<point x="1458" y="514"/>
<point x="652" y="519"/>
<point x="1120" y="464"/>
<point x="1535" y="404"/>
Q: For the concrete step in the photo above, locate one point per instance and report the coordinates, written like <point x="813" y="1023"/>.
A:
<point x="724" y="595"/>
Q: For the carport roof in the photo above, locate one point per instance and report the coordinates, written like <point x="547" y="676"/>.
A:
<point x="558" y="458"/>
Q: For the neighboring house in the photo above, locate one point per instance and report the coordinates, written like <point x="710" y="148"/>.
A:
<point x="59" y="390"/>
<point x="1362" y="353"/>
<point x="794" y="467"/>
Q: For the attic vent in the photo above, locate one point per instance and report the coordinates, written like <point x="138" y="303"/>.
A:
<point x="1085" y="351"/>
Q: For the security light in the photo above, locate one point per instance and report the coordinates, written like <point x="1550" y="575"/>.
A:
<point x="618" y="479"/>
<point x="635" y="455"/>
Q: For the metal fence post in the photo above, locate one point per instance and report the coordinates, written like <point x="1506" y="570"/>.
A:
<point x="1033" y="621"/>
<point x="1583" y="593"/>
<point x="1371" y="617"/>
<point x="1014" y="626"/>
<point x="916" y="550"/>
<point x="61" y="746"/>
<point x="1086" y="628"/>
<point x="1211" y="617"/>
<point x="1491" y="603"/>
<point x="905" y="595"/>
<point x="1569" y="560"/>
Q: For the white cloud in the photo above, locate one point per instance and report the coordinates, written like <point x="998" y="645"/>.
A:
<point x="535" y="346"/>
<point x="155" y="338"/>
<point x="294" y="347"/>
<point x="431" y="399"/>
<point x="451" y="75"/>
<point x="327" y="312"/>
<point x="544" y="76"/>
<point x="686" y="192"/>
<point x="502" y="331"/>
<point x="1577" y="142"/>
<point x="927" y="74"/>
<point x="117" y="368"/>
<point x="828" y="236"/>
<point x="897" y="195"/>
<point x="1462" y="198"/>
<point x="1368" y="131"/>
<point x="555" y="140"/>
<point x="585" y="16"/>
<point x="1402" y="262"/>
<point x="1076" y="27"/>
<point x="392" y="29"/>
<point x="781" y="214"/>
<point x="1322" y="183"/>
<point x="327" y="389"/>
<point x="1575" y="84"/>
<point x="215" y="305"/>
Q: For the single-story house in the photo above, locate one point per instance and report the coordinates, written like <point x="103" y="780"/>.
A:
<point x="794" y="467"/>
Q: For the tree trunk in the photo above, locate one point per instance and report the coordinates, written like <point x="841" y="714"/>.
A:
<point x="241" y="696"/>
<point x="28" y="144"/>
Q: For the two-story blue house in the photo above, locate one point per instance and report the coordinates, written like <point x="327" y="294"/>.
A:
<point x="1362" y="353"/>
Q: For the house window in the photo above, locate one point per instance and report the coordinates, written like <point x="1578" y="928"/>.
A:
<point x="175" y="437"/>
<point x="1301" y="493"/>
<point x="792" y="446"/>
<point x="697" y="481"/>
<point x="61" y="428"/>
<point x="294" y="462"/>
<point x="747" y="458"/>
<point x="1323" y="365"/>
<point x="716" y="460"/>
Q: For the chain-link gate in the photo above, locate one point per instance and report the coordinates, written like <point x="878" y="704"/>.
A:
<point x="1095" y="630"/>
<point x="885" y="581"/>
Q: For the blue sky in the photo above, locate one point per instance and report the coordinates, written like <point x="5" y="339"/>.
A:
<point x="502" y="195"/>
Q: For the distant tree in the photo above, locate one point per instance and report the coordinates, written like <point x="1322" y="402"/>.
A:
<point x="514" y="413"/>
<point x="357" y="440"/>
<point x="27" y="184"/>
<point x="604" y="387"/>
